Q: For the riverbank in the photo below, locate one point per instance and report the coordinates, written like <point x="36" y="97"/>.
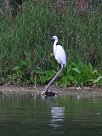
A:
<point x="26" y="50"/>
<point x="83" y="91"/>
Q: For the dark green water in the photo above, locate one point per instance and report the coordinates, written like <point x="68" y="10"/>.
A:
<point x="26" y="115"/>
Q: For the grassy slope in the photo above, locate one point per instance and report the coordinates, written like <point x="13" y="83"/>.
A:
<point x="25" y="48"/>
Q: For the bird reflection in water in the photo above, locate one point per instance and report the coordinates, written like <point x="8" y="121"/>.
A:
<point x="57" y="116"/>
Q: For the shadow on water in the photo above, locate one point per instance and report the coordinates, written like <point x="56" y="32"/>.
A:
<point x="29" y="115"/>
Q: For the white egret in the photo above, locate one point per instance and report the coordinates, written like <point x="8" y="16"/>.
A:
<point x="60" y="57"/>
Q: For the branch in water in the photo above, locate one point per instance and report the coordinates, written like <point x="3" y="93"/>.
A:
<point x="55" y="77"/>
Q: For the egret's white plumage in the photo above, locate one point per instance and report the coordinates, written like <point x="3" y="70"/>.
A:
<point x="60" y="57"/>
<point x="59" y="51"/>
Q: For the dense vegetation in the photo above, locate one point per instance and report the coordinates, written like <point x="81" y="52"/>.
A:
<point x="26" y="51"/>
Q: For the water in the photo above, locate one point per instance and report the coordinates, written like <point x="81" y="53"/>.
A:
<point x="73" y="115"/>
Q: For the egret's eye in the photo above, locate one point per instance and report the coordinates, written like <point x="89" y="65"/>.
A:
<point x="52" y="40"/>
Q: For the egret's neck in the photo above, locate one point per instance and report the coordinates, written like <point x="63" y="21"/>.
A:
<point x="54" y="45"/>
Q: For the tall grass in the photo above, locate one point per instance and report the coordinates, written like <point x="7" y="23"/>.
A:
<point x="25" y="47"/>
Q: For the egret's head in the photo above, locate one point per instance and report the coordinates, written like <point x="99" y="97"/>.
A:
<point x="54" y="38"/>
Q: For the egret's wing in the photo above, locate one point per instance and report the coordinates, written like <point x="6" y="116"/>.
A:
<point x="60" y="55"/>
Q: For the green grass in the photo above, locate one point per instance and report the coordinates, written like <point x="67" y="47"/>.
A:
<point x="25" y="47"/>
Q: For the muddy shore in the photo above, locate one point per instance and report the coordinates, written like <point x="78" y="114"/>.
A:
<point x="84" y="91"/>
